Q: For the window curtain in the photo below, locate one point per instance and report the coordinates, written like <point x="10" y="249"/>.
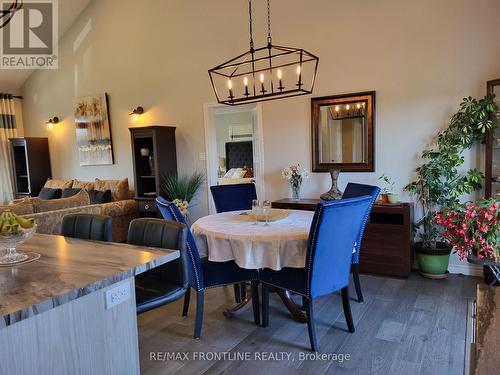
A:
<point x="7" y="130"/>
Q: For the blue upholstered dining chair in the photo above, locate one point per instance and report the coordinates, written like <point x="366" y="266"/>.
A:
<point x="202" y="273"/>
<point x="234" y="197"/>
<point x="334" y="230"/>
<point x="353" y="190"/>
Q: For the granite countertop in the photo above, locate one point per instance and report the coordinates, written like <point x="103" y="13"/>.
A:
<point x="68" y="269"/>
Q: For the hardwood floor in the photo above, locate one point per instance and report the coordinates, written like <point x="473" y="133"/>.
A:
<point x="411" y="326"/>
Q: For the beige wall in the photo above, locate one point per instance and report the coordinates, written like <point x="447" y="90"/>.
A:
<point x="421" y="57"/>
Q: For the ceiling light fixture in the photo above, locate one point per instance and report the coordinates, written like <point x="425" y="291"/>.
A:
<point x="266" y="73"/>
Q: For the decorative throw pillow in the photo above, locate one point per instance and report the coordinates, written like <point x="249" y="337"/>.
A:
<point x="77" y="200"/>
<point x="58" y="184"/>
<point x="248" y="172"/>
<point x="49" y="193"/>
<point x="240" y="173"/>
<point x="87" y="185"/>
<point x="99" y="197"/>
<point x="66" y="193"/>
<point x="229" y="173"/>
<point x="21" y="208"/>
<point x="119" y="188"/>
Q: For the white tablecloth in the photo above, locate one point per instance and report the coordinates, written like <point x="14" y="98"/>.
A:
<point x="233" y="236"/>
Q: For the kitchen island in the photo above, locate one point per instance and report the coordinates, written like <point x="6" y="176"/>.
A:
<point x="73" y="310"/>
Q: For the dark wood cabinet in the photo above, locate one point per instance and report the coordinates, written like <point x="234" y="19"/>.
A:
<point x="492" y="175"/>
<point x="386" y="247"/>
<point x="154" y="156"/>
<point x="30" y="165"/>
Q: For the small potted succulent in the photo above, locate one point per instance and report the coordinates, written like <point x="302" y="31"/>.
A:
<point x="387" y="194"/>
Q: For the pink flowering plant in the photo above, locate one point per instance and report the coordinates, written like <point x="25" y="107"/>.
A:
<point x="473" y="228"/>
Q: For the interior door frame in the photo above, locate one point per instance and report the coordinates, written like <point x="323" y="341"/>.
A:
<point x="211" y="156"/>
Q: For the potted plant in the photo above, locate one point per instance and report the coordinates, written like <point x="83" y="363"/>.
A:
<point x="387" y="194"/>
<point x="180" y="190"/>
<point x="440" y="183"/>
<point x="473" y="229"/>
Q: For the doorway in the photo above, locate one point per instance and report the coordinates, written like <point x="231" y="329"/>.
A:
<point x="234" y="144"/>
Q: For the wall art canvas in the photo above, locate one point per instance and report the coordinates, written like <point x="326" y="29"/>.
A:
<point x="93" y="131"/>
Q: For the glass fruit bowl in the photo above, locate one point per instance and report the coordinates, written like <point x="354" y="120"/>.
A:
<point x="9" y="242"/>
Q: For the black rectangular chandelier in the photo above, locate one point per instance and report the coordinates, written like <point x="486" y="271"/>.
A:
<point x="266" y="73"/>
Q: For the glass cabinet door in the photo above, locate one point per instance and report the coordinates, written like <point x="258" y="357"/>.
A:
<point x="493" y="145"/>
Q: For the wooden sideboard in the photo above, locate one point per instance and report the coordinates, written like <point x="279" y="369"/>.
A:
<point x="386" y="247"/>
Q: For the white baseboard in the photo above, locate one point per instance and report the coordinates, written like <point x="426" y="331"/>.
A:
<point x="466" y="269"/>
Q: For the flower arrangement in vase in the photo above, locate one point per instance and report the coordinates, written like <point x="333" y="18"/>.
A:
<point x="295" y="176"/>
<point x="473" y="228"/>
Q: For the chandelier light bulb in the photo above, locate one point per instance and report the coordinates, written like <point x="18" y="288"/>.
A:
<point x="337" y="108"/>
<point x="245" y="81"/>
<point x="279" y="74"/>
<point x="261" y="77"/>
<point x="229" y="84"/>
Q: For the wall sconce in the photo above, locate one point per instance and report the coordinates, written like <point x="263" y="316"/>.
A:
<point x="136" y="113"/>
<point x="51" y="122"/>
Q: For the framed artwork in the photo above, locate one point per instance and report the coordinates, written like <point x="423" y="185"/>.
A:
<point x="93" y="131"/>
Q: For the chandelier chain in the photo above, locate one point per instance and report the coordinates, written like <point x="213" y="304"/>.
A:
<point x="269" y="40"/>
<point x="251" y="21"/>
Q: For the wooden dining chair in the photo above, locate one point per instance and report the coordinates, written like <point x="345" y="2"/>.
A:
<point x="334" y="230"/>
<point x="87" y="227"/>
<point x="203" y="274"/>
<point x="234" y="197"/>
<point x="354" y="190"/>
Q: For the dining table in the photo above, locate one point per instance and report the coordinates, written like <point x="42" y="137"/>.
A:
<point x="253" y="244"/>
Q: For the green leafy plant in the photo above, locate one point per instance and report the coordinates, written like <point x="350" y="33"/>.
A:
<point x="389" y="184"/>
<point x="439" y="182"/>
<point x="183" y="187"/>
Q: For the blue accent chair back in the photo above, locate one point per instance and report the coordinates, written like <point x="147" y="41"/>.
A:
<point x="233" y="197"/>
<point x="354" y="190"/>
<point x="170" y="211"/>
<point x="334" y="230"/>
<point x="204" y="274"/>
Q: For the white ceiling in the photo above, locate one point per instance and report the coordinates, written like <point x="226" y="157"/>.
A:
<point x="69" y="10"/>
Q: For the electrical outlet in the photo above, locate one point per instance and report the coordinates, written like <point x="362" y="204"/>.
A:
<point x="117" y="295"/>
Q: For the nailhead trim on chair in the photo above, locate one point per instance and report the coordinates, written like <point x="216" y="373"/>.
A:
<point x="313" y="244"/>
<point x="199" y="288"/>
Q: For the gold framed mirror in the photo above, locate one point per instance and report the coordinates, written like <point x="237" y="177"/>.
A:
<point x="342" y="132"/>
